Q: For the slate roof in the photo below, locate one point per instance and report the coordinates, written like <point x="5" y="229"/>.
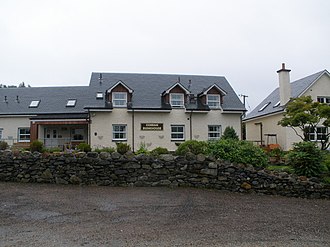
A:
<point x="297" y="89"/>
<point x="52" y="100"/>
<point x="147" y="90"/>
<point x="148" y="87"/>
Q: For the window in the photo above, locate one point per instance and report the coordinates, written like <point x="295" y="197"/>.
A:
<point x="177" y="132"/>
<point x="323" y="100"/>
<point x="119" y="132"/>
<point x="99" y="95"/>
<point x="214" y="132"/>
<point x="264" y="106"/>
<point x="119" y="99"/>
<point x="34" y="103"/>
<point x="1" y="133"/>
<point x="23" y="134"/>
<point x="317" y="134"/>
<point x="177" y="99"/>
<point x="71" y="103"/>
<point x="277" y="104"/>
<point x="213" y="100"/>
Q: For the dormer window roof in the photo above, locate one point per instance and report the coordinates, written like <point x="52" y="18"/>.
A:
<point x="34" y="103"/>
<point x="222" y="92"/>
<point x="120" y="83"/>
<point x="175" y="85"/>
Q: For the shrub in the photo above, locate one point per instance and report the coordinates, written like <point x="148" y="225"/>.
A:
<point x="36" y="146"/>
<point x="326" y="162"/>
<point x="159" y="151"/>
<point x="3" y="145"/>
<point x="122" y="147"/>
<point x="84" y="147"/>
<point x="142" y="149"/>
<point x="105" y="149"/>
<point x="230" y="133"/>
<point x="193" y="146"/>
<point x="305" y="158"/>
<point x="238" y="152"/>
<point x="53" y="150"/>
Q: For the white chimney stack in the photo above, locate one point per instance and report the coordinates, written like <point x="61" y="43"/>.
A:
<point x="285" y="87"/>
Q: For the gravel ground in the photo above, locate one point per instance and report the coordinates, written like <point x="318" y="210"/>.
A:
<point x="52" y="215"/>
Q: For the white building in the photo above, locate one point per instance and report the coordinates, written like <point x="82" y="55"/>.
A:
<point x="139" y="109"/>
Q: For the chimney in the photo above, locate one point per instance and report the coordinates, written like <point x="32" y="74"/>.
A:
<point x="284" y="82"/>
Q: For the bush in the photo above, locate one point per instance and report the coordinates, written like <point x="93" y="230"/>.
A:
<point x="105" y="149"/>
<point x="3" y="145"/>
<point x="123" y="147"/>
<point x="229" y="133"/>
<point x="159" y="151"/>
<point x="36" y="146"/>
<point x="84" y="147"/>
<point x="193" y="146"/>
<point x="142" y="149"/>
<point x="53" y="150"/>
<point x="306" y="158"/>
<point x="326" y="162"/>
<point x="238" y="152"/>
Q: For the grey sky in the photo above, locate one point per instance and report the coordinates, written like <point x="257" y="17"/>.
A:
<point x="60" y="42"/>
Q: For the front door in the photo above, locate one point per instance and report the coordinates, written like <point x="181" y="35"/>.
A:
<point x="51" y="137"/>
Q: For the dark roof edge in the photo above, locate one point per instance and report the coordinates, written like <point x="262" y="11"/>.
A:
<point x="264" y="115"/>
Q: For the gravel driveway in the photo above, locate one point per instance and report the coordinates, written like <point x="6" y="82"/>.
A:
<point x="52" y="215"/>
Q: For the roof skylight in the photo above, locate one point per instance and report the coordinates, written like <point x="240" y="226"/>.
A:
<point x="264" y="106"/>
<point x="71" y="103"/>
<point x="34" y="103"/>
<point x="277" y="104"/>
<point x="99" y="95"/>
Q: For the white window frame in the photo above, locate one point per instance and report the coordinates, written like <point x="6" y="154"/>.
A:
<point x="119" y="132"/>
<point x="315" y="135"/>
<point x="34" y="103"/>
<point x="211" y="133"/>
<point x="177" y="102"/>
<point x="20" y="135"/>
<point x="116" y="101"/>
<point x="1" y="133"/>
<point x="323" y="99"/>
<point x="176" y="133"/>
<point x="71" y="103"/>
<point x="213" y="103"/>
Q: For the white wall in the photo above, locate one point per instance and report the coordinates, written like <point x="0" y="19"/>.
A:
<point x="10" y="125"/>
<point x="102" y="125"/>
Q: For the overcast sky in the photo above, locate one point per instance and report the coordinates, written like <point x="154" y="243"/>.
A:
<point x="60" y="42"/>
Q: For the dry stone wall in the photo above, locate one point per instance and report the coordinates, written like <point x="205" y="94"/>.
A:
<point x="142" y="170"/>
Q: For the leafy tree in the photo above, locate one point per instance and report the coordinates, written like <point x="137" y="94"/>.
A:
<point x="230" y="133"/>
<point x="305" y="115"/>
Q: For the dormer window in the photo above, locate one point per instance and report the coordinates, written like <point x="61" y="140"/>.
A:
<point x="71" y="103"/>
<point x="119" y="99"/>
<point x="34" y="103"/>
<point x="177" y="99"/>
<point x="213" y="100"/>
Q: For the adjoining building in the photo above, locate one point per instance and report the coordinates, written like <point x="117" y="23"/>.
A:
<point x="140" y="109"/>
<point x="262" y="123"/>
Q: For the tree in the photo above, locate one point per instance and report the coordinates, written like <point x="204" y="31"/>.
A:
<point x="305" y="115"/>
<point x="230" y="133"/>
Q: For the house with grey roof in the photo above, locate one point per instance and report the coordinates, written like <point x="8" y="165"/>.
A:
<point x="148" y="110"/>
<point x="262" y="123"/>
